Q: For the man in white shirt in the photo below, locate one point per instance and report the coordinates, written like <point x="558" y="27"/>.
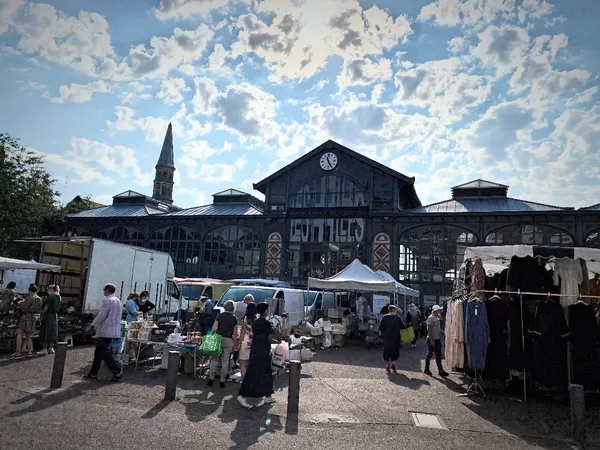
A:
<point x="240" y="307"/>
<point x="108" y="329"/>
<point x="434" y="341"/>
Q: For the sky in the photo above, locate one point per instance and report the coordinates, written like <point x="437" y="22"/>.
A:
<point x="446" y="91"/>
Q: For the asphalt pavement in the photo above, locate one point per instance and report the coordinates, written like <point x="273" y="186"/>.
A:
<point x="347" y="401"/>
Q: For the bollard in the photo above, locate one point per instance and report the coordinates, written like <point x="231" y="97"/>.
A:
<point x="58" y="369"/>
<point x="294" y="388"/>
<point x="172" y="369"/>
<point x="577" y="396"/>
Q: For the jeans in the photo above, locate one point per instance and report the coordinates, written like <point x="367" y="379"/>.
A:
<point x="226" y="346"/>
<point x="103" y="353"/>
<point x="436" y="348"/>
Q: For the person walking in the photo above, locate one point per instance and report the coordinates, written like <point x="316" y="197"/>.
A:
<point x="240" y="307"/>
<point x="226" y="325"/>
<point x="390" y="327"/>
<point x="258" y="382"/>
<point x="26" y="311"/>
<point x="413" y="318"/>
<point x="434" y="341"/>
<point x="108" y="330"/>
<point x="49" y="322"/>
<point x="246" y="337"/>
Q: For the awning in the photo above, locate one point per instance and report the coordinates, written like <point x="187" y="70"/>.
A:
<point x="355" y="277"/>
<point x="400" y="288"/>
<point x="12" y="264"/>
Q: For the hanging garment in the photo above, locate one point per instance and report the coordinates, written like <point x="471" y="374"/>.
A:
<point x="477" y="333"/>
<point x="498" y="314"/>
<point x="477" y="278"/>
<point x="528" y="275"/>
<point x="568" y="273"/>
<point x="520" y="351"/>
<point x="584" y="286"/>
<point x="585" y="345"/>
<point x="550" y="334"/>
<point x="455" y="353"/>
<point x="596" y="308"/>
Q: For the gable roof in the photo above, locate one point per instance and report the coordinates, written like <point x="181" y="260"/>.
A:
<point x="480" y="184"/>
<point x="230" y="193"/>
<point x="486" y="205"/>
<point x="129" y="194"/>
<point x="334" y="145"/>
<point x="595" y="207"/>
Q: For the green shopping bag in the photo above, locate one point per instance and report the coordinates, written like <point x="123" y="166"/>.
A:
<point x="407" y="335"/>
<point x="211" y="345"/>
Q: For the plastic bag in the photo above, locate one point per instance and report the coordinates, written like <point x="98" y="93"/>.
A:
<point x="280" y="354"/>
<point x="407" y="335"/>
<point x="211" y="345"/>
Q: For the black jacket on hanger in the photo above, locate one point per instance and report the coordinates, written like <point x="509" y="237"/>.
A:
<point x="498" y="314"/>
<point x="585" y="345"/>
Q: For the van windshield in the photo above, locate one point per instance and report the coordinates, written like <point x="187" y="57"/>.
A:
<point x="191" y="291"/>
<point x="309" y="298"/>
<point x="237" y="294"/>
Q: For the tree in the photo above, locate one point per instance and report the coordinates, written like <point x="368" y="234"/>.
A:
<point x="28" y="200"/>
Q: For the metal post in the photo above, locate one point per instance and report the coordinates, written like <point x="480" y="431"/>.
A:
<point x="294" y="388"/>
<point x="58" y="369"/>
<point x="577" y="397"/>
<point x="172" y="368"/>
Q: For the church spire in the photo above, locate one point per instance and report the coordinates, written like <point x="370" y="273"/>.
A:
<point x="165" y="170"/>
<point x="166" y="158"/>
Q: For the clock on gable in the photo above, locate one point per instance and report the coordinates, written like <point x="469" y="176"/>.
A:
<point x="328" y="161"/>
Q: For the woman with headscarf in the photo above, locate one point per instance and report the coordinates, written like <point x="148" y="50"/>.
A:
<point x="390" y="327"/>
<point x="49" y="322"/>
<point x="258" y="382"/>
<point x="413" y="319"/>
<point x="26" y="312"/>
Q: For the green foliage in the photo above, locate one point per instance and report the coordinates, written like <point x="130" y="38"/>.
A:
<point x="28" y="201"/>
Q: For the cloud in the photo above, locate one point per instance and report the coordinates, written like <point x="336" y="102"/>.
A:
<point x="365" y="72"/>
<point x="171" y="91"/>
<point x="205" y="96"/>
<point x="184" y="9"/>
<point x="502" y="47"/>
<point x="444" y="87"/>
<point x="195" y="152"/>
<point x="302" y="36"/>
<point x="136" y="92"/>
<point x="183" y="196"/>
<point x="8" y="12"/>
<point x="80" y="93"/>
<point x="219" y="173"/>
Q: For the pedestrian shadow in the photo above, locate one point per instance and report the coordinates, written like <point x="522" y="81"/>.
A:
<point x="250" y="424"/>
<point x="155" y="411"/>
<point x="200" y="405"/>
<point x="403" y="380"/>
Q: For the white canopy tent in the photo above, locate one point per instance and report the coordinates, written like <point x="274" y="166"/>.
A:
<point x="355" y="277"/>
<point x="497" y="258"/>
<point x="400" y="288"/>
<point x="15" y="264"/>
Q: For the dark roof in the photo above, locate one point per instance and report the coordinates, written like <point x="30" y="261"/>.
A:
<point x="591" y="208"/>
<point x="326" y="145"/>
<point x="118" y="211"/>
<point x="480" y="184"/>
<point x="167" y="158"/>
<point x="220" y="209"/>
<point x="485" y="204"/>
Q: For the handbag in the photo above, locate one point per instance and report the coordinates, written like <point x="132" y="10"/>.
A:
<point x="407" y="335"/>
<point x="211" y="345"/>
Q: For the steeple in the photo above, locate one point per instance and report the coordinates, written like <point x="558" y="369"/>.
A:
<point x="165" y="170"/>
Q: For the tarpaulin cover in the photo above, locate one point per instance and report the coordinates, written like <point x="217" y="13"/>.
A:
<point x="355" y="277"/>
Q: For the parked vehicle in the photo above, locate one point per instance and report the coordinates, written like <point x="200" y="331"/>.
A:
<point x="316" y="303"/>
<point x="87" y="264"/>
<point x="195" y="288"/>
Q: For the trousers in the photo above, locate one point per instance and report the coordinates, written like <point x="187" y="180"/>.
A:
<point x="103" y="353"/>
<point x="431" y="349"/>
<point x="226" y="346"/>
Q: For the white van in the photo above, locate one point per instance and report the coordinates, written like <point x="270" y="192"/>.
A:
<point x="316" y="304"/>
<point x="294" y="299"/>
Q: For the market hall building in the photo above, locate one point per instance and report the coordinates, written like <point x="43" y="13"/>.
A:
<point x="325" y="209"/>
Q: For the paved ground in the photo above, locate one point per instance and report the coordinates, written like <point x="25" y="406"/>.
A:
<point x="347" y="402"/>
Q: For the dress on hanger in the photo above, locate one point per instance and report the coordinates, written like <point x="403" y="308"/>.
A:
<point x="477" y="278"/>
<point x="496" y="366"/>
<point x="568" y="273"/>
<point x="585" y="339"/>
<point x="455" y="341"/>
<point x="477" y="333"/>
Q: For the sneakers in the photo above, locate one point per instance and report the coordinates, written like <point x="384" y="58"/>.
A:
<point x="51" y="351"/>
<point x="242" y="401"/>
<point x="413" y="346"/>
<point x="428" y="372"/>
<point x="269" y="400"/>
<point x="443" y="373"/>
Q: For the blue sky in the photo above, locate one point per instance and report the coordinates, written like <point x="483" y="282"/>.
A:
<point x="443" y="90"/>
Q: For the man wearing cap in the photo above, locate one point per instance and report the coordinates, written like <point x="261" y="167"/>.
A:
<point x="434" y="341"/>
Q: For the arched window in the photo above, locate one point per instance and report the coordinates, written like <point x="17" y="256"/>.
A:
<point x="433" y="254"/>
<point x="122" y="234"/>
<point x="529" y="235"/>
<point x="329" y="191"/>
<point x="593" y="240"/>
<point x="232" y="250"/>
<point x="182" y="244"/>
<point x="76" y="231"/>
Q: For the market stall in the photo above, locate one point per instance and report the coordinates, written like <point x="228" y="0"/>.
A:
<point x="527" y="316"/>
<point x="8" y="321"/>
<point x="401" y="290"/>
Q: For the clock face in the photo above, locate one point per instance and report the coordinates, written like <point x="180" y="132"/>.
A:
<point x="328" y="161"/>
